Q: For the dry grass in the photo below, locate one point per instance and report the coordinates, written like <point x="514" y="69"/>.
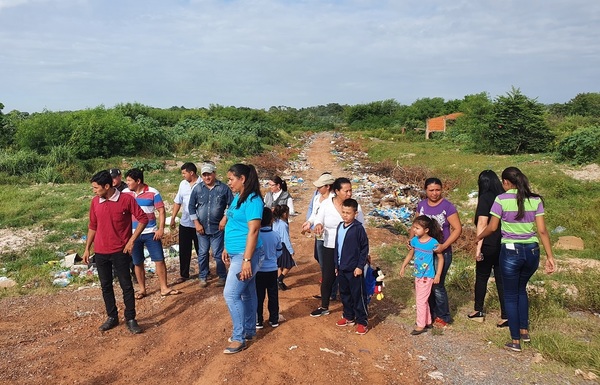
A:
<point x="273" y="162"/>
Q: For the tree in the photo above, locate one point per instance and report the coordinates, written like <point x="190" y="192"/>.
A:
<point x="471" y="128"/>
<point x="517" y="125"/>
<point x="586" y="104"/>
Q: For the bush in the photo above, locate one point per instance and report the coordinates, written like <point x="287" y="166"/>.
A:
<point x="100" y="133"/>
<point x="21" y="162"/>
<point x="48" y="174"/>
<point x="581" y="146"/>
<point x="517" y="126"/>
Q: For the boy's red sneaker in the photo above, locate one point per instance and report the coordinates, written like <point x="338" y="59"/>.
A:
<point x="440" y="323"/>
<point x="362" y="329"/>
<point x="345" y="322"/>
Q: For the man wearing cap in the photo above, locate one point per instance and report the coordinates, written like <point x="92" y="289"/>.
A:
<point x="115" y="173"/>
<point x="208" y="202"/>
<point x="187" y="230"/>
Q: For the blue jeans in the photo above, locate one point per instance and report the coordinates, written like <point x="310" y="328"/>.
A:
<point x="240" y="296"/>
<point x="518" y="266"/>
<point x="205" y="242"/>
<point x="438" y="300"/>
<point x="154" y="249"/>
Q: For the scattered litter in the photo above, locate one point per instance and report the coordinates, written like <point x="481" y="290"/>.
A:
<point x="473" y="194"/>
<point x="436" y="375"/>
<point x="61" y="282"/>
<point x="293" y="347"/>
<point x="6" y="282"/>
<point x="70" y="259"/>
<point x="80" y="314"/>
<point x="422" y="358"/>
<point x="326" y="350"/>
<point x="559" y="230"/>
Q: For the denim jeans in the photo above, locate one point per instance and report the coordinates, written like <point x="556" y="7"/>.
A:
<point x="518" y="266"/>
<point x="187" y="237"/>
<point x="154" y="249"/>
<point x="105" y="263"/>
<point x="240" y="296"/>
<point x="214" y="242"/>
<point x="438" y="300"/>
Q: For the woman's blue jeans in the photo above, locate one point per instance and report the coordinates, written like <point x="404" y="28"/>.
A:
<point x="438" y="299"/>
<point x="240" y="296"/>
<point x="518" y="262"/>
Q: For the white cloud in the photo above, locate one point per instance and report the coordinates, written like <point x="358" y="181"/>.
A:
<point x="297" y="53"/>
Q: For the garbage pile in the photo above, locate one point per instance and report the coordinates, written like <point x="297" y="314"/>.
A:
<point x="68" y="268"/>
<point x="384" y="200"/>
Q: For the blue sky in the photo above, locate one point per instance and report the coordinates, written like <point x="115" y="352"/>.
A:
<point x="76" y="54"/>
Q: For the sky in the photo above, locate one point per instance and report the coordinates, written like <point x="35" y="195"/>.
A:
<point x="75" y="54"/>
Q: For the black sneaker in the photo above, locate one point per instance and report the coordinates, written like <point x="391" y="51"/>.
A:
<point x="512" y="346"/>
<point x="319" y="312"/>
<point x="259" y="325"/>
<point x="110" y="323"/>
<point x="133" y="326"/>
<point x="282" y="286"/>
<point x="273" y="324"/>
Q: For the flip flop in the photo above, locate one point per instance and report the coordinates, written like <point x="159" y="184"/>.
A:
<point x="170" y="292"/>
<point x="139" y="295"/>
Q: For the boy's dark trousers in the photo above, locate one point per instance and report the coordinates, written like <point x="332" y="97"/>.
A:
<point x="354" y="297"/>
<point x="266" y="282"/>
<point x="120" y="261"/>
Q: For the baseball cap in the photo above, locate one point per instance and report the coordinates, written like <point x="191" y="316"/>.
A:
<point x="208" y="168"/>
<point x="114" y="172"/>
<point x="325" y="179"/>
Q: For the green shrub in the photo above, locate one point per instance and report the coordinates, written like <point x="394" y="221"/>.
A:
<point x="581" y="147"/>
<point x="148" y="165"/>
<point x="517" y="126"/>
<point x="48" y="174"/>
<point x="21" y="162"/>
<point x="101" y="133"/>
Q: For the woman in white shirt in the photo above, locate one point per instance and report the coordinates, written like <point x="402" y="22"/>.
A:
<point x="327" y="219"/>
<point x="323" y="185"/>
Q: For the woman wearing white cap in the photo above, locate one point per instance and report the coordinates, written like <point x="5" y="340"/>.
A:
<point x="323" y="185"/>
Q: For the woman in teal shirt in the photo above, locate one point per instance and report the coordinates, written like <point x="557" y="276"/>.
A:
<point x="243" y="252"/>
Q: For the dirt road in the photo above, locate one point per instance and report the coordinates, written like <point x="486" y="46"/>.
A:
<point x="55" y="339"/>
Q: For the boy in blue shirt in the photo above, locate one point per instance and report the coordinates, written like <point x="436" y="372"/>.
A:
<point x="351" y="253"/>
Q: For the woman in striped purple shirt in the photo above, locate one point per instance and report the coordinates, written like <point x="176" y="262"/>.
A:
<point x="519" y="210"/>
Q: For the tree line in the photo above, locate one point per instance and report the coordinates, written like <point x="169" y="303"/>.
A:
<point x="508" y="124"/>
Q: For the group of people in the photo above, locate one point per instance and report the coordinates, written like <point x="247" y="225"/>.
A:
<point x="507" y="217"/>
<point x="249" y="237"/>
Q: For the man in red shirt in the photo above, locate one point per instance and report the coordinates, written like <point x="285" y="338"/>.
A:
<point x="110" y="230"/>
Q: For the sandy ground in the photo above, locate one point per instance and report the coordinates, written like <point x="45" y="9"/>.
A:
<point x="54" y="339"/>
